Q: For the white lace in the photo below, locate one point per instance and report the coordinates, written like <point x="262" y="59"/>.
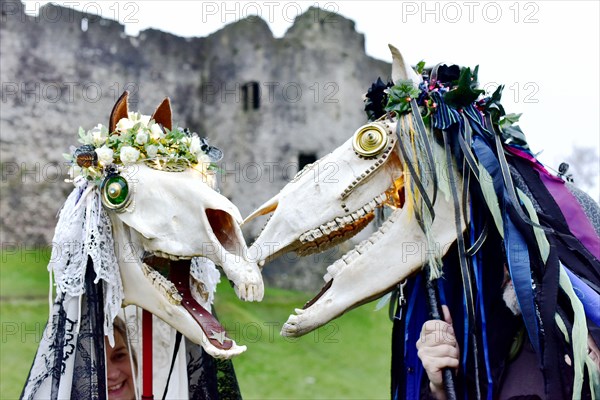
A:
<point x="204" y="270"/>
<point x="84" y="229"/>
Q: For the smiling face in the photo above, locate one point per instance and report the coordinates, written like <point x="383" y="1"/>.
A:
<point x="119" y="374"/>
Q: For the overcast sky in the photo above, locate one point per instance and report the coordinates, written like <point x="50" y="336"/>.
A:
<point x="545" y="52"/>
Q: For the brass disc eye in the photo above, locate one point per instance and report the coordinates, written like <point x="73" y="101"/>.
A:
<point x="115" y="192"/>
<point x="370" y="140"/>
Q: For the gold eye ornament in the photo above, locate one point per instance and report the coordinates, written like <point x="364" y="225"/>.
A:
<point x="116" y="193"/>
<point x="370" y="140"/>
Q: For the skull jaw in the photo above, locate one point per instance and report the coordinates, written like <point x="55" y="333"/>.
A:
<point x="140" y="291"/>
<point x="355" y="282"/>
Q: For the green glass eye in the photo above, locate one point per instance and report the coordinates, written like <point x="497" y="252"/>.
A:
<point x="115" y="192"/>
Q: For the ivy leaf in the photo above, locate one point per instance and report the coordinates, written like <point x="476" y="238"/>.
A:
<point x="493" y="106"/>
<point x="509" y="119"/>
<point x="466" y="91"/>
<point x="511" y="133"/>
<point x="514" y="135"/>
<point x="399" y="97"/>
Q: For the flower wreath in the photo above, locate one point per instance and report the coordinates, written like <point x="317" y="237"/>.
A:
<point x="139" y="138"/>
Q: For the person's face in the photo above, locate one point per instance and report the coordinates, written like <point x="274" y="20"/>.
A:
<point x="118" y="370"/>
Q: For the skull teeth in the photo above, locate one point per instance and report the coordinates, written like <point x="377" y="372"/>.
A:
<point x="334" y="269"/>
<point x="165" y="286"/>
<point x="341" y="223"/>
<point x="162" y="254"/>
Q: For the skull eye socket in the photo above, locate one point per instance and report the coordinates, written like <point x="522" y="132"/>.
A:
<point x="115" y="192"/>
<point x="370" y="140"/>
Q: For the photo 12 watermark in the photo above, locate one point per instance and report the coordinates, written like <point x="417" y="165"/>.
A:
<point x="470" y="11"/>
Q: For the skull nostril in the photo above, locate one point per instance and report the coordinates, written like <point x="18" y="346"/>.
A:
<point x="223" y="227"/>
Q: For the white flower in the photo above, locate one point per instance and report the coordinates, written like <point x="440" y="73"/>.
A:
<point x="141" y="138"/>
<point x="151" y="151"/>
<point x="124" y="124"/>
<point x="137" y="117"/>
<point x="156" y="132"/>
<point x="129" y="154"/>
<point x="144" y="119"/>
<point x="105" y="155"/>
<point x="194" y="145"/>
<point x="98" y="135"/>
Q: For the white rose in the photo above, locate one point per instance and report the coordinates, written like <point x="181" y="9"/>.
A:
<point x="151" y="151"/>
<point x="125" y="124"/>
<point x="195" y="145"/>
<point x="136" y="117"/>
<point x="129" y="155"/>
<point x="141" y="138"/>
<point x="105" y="155"/>
<point x="98" y="135"/>
<point x="144" y="119"/>
<point x="156" y="132"/>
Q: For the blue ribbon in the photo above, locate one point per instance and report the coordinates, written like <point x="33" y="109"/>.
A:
<point x="588" y="297"/>
<point x="516" y="246"/>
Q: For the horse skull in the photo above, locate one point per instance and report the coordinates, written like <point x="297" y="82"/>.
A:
<point x="171" y="218"/>
<point x="316" y="211"/>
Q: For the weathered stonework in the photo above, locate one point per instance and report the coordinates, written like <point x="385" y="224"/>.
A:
<point x="56" y="77"/>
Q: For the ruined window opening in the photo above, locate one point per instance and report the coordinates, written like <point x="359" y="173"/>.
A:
<point x="84" y="24"/>
<point x="305" y="159"/>
<point x="251" y="96"/>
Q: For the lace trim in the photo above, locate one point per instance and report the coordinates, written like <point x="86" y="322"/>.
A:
<point x="84" y="230"/>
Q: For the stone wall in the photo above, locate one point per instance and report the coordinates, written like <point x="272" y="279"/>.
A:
<point x="56" y="77"/>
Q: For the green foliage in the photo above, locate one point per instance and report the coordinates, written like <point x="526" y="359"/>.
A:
<point x="420" y="67"/>
<point x="399" y="97"/>
<point x="511" y="133"/>
<point x="466" y="91"/>
<point x="493" y="105"/>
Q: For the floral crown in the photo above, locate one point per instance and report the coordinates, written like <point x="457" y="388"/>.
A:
<point x="140" y="138"/>
<point x="443" y="87"/>
<point x="130" y="138"/>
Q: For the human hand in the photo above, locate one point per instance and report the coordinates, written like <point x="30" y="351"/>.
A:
<point x="438" y="349"/>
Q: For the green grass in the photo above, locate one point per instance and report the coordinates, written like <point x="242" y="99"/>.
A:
<point x="23" y="273"/>
<point x="347" y="359"/>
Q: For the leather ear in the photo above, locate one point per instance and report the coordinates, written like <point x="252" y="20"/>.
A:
<point x="163" y="115"/>
<point x="119" y="111"/>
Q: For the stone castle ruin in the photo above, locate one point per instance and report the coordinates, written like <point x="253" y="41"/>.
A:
<point x="272" y="104"/>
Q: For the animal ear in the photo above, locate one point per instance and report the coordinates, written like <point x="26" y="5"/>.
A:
<point x="119" y="111"/>
<point x="162" y="115"/>
<point x="401" y="70"/>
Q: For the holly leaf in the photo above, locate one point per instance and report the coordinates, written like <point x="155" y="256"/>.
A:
<point x="466" y="91"/>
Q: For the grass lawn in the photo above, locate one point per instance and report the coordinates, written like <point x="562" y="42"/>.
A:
<point x="346" y="359"/>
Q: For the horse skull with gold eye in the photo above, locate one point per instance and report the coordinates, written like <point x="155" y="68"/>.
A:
<point x="369" y="175"/>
